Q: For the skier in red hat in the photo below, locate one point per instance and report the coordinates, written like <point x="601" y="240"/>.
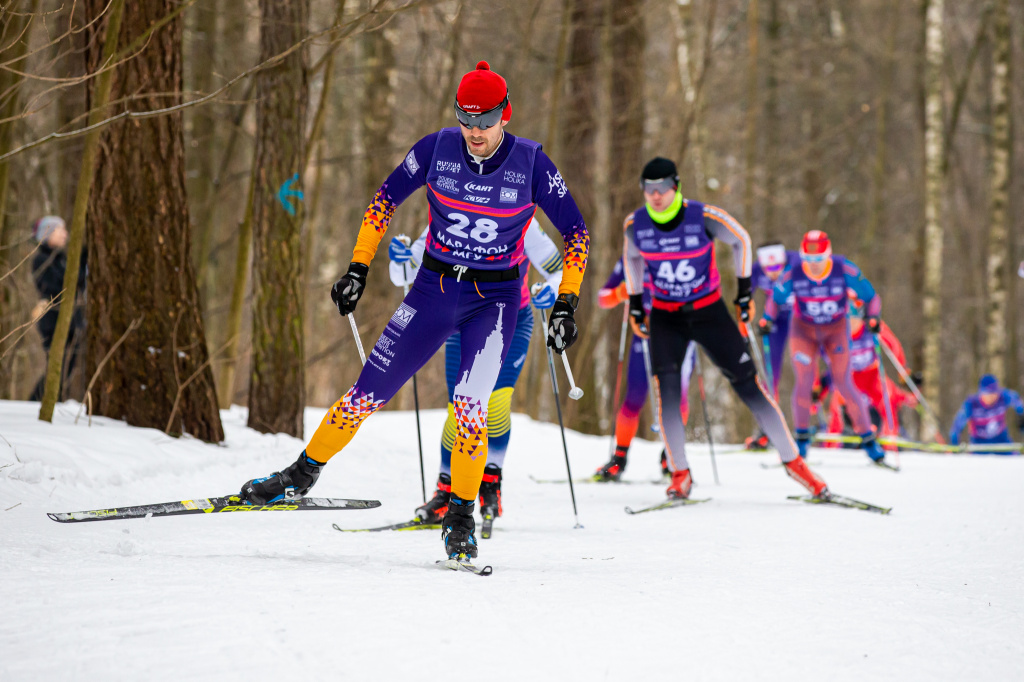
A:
<point x="819" y="326"/>
<point x="483" y="187"/>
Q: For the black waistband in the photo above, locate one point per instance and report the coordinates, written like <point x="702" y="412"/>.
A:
<point x="472" y="274"/>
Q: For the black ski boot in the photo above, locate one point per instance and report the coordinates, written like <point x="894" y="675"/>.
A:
<point x="612" y="471"/>
<point x="490" y="491"/>
<point x="490" y="499"/>
<point x="757" y="443"/>
<point x="437" y="506"/>
<point x="458" y="530"/>
<point x="665" y="471"/>
<point x="291" y="484"/>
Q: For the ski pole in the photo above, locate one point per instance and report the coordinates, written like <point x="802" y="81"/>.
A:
<point x="885" y="387"/>
<point x="769" y="370"/>
<point x="618" y="378"/>
<point x="704" y="409"/>
<point x="575" y="392"/>
<point x="755" y="352"/>
<point x="561" y="425"/>
<point x="355" y="332"/>
<point x="651" y="395"/>
<point x="415" y="388"/>
<point x="889" y="417"/>
<point x="910" y="382"/>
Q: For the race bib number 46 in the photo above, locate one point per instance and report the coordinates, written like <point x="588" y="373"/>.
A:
<point x="680" y="271"/>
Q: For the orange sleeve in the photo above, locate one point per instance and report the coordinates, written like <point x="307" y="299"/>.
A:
<point x="574" y="261"/>
<point x="375" y="223"/>
<point x="609" y="298"/>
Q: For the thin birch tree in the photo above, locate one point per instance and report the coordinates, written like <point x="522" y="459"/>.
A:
<point x="934" y="208"/>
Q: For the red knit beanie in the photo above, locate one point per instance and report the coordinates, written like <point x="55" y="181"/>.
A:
<point x="482" y="90"/>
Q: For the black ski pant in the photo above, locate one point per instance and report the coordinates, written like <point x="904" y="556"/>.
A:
<point x="714" y="329"/>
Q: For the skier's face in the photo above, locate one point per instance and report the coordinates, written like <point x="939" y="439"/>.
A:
<point x="989" y="398"/>
<point x="815" y="269"/>
<point x="482" y="142"/>
<point x="658" y="200"/>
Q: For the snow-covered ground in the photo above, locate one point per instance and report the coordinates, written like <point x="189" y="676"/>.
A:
<point x="748" y="586"/>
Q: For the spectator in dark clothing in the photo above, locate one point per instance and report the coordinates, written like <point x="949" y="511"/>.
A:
<point x="48" y="267"/>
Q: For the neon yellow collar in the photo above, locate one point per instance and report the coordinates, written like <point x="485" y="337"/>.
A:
<point x="669" y="213"/>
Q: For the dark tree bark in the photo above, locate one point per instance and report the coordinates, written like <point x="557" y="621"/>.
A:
<point x="203" y="158"/>
<point x="376" y="126"/>
<point x="277" y="392"/>
<point x="9" y="83"/>
<point x="627" y="41"/>
<point x="139" y="246"/>
<point x="575" y="159"/>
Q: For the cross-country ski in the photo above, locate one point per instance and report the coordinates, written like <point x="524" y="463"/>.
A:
<point x="209" y="505"/>
<point x="668" y="504"/>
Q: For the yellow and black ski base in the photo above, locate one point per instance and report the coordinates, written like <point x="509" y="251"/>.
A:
<point x="414" y="524"/>
<point x="210" y="505"/>
<point x="668" y="504"/>
<point x="841" y="501"/>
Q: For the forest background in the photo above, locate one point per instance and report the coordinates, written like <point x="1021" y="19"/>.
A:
<point x="216" y="157"/>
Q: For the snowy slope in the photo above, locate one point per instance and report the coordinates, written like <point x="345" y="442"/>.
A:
<point x="748" y="586"/>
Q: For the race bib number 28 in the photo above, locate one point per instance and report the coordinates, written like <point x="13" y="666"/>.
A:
<point x="484" y="229"/>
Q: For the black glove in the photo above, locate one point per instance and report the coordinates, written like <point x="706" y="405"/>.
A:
<point x="874" y="323"/>
<point x="765" y="326"/>
<point x="637" y="316"/>
<point x="917" y="378"/>
<point x="346" y="291"/>
<point x="744" y="299"/>
<point x="562" y="325"/>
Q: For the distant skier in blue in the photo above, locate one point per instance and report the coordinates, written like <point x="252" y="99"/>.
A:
<point x="985" y="414"/>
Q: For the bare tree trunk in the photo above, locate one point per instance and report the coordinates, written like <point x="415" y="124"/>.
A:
<point x="933" y="209"/>
<point x="200" y="189"/>
<point x="682" y="20"/>
<point x="558" y="82"/>
<point x="999" y="181"/>
<point x="277" y="389"/>
<point x="139" y="248"/>
<point x="750" y="127"/>
<point x="878" y="178"/>
<point x="376" y="125"/>
<point x="101" y="95"/>
<point x="226" y="381"/>
<point x="10" y="82"/>
<point x="576" y="159"/>
<point x="627" y="41"/>
<point x="771" y="154"/>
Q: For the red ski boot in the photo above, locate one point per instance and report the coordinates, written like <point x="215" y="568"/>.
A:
<point x="798" y="470"/>
<point x="681" y="485"/>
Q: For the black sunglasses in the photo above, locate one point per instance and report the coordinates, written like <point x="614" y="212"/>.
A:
<point x="483" y="121"/>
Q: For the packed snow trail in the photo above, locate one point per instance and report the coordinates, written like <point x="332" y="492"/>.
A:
<point x="749" y="585"/>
